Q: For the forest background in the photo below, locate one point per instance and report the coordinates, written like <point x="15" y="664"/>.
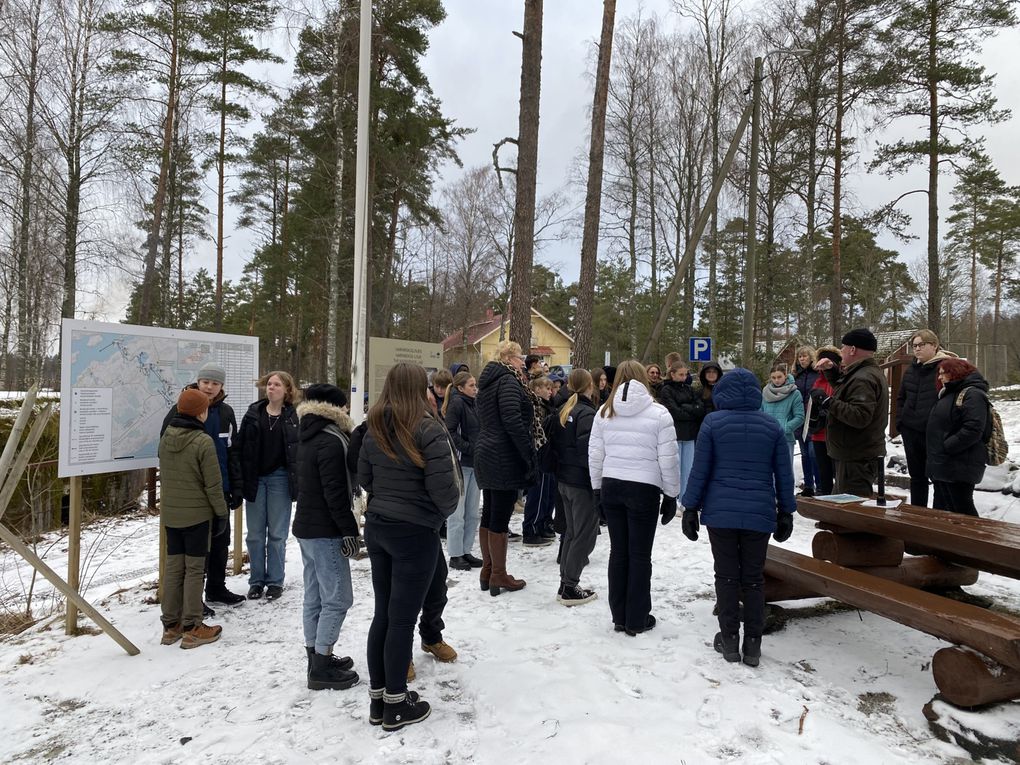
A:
<point x="190" y="163"/>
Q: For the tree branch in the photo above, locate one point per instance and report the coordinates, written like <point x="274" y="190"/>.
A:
<point x="495" y="159"/>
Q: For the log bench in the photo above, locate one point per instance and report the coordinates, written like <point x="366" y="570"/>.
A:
<point x="859" y="559"/>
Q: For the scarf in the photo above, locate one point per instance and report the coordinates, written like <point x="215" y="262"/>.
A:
<point x="537" y="433"/>
<point x="772" y="394"/>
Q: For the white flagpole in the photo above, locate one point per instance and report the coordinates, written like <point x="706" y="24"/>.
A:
<point x="361" y="220"/>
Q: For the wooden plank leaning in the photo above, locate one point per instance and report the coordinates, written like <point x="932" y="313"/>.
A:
<point x="39" y="565"/>
<point x="992" y="634"/>
<point x="11" y="447"/>
<point x="20" y="463"/>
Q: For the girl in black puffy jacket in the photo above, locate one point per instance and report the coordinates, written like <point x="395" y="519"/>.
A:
<point x="687" y="408"/>
<point x="958" y="428"/>
<point x="568" y="434"/>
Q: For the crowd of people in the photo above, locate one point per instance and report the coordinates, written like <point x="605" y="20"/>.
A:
<point x="624" y="448"/>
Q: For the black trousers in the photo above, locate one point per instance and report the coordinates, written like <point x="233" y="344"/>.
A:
<point x="916" y="447"/>
<point x="497" y="507"/>
<point x="404" y="558"/>
<point x="632" y="513"/>
<point x="431" y="625"/>
<point x="826" y="468"/>
<point x="216" y="561"/>
<point x="856" y="476"/>
<point x="956" y="497"/>
<point x="191" y="540"/>
<point x="739" y="557"/>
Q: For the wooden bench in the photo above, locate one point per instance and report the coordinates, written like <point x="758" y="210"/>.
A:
<point x="859" y="559"/>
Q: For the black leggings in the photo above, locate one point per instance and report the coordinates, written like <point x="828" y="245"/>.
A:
<point x="497" y="507"/>
<point x="954" y="496"/>
<point x="826" y="470"/>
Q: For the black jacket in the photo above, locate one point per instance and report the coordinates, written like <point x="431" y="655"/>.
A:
<point x="505" y="456"/>
<point x="804" y="378"/>
<point x="462" y="422"/>
<point x="221" y="425"/>
<point x="324" y="494"/>
<point x="570" y="442"/>
<point x="918" y="394"/>
<point x="956" y="435"/>
<point x="685" y="405"/>
<point x="706" y="389"/>
<point x="399" y="490"/>
<point x="561" y="397"/>
<point x="250" y="445"/>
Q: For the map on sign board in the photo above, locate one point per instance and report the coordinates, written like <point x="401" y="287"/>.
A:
<point x="118" y="381"/>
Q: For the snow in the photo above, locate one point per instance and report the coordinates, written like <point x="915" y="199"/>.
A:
<point x="535" y="682"/>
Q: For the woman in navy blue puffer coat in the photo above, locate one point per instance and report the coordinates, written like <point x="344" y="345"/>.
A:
<point x="742" y="484"/>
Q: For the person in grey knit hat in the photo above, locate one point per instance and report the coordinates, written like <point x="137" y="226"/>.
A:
<point x="212" y="371"/>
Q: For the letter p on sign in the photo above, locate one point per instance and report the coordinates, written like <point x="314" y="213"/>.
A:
<point x="700" y="349"/>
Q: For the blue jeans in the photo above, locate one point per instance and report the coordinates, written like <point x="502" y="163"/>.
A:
<point x="809" y="464"/>
<point x="268" y="519"/>
<point x="685" y="452"/>
<point x="328" y="591"/>
<point x="462" y="526"/>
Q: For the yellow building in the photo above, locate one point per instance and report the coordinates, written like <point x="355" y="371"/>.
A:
<point x="477" y="345"/>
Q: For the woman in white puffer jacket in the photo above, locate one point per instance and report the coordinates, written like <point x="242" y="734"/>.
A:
<point x="632" y="458"/>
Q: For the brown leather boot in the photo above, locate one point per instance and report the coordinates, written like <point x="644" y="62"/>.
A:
<point x="486" y="570"/>
<point x="500" y="579"/>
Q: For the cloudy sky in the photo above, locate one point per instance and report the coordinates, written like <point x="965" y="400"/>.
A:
<point x="474" y="67"/>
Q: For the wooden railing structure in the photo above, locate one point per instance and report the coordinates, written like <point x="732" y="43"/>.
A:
<point x="878" y="559"/>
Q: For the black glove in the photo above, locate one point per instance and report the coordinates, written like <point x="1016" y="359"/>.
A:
<point x="784" y="527"/>
<point x="598" y="505"/>
<point x="350" y="546"/>
<point x="235" y="500"/>
<point x="220" y="525"/>
<point x="689" y="524"/>
<point x="667" y="509"/>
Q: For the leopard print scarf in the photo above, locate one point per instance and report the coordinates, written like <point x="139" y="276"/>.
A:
<point x="537" y="433"/>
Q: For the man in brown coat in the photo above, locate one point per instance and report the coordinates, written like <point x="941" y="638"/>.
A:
<point x="858" y="414"/>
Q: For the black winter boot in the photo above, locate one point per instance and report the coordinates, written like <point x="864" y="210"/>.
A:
<point x="457" y="562"/>
<point x="324" y="675"/>
<point x="340" y="662"/>
<point x="376" y="705"/>
<point x="405" y="708"/>
<point x="752" y="651"/>
<point x="728" y="645"/>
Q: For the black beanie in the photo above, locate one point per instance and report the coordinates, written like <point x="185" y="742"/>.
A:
<point x="832" y="356"/>
<point x="861" y="338"/>
<point x="327" y="393"/>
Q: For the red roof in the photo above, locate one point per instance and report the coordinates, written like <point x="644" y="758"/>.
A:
<point x="474" y="333"/>
<point x="541" y="350"/>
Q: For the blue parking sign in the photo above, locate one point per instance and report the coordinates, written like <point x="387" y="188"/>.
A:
<point x="700" y="349"/>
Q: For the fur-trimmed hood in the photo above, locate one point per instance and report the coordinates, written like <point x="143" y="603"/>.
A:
<point x="315" y="415"/>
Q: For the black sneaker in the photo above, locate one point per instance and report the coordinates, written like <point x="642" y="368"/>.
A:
<point x="255" y="592"/>
<point x="752" y="651"/>
<point x="273" y="592"/>
<point x="575" y="596"/>
<point x="458" y="562"/>
<point x="548" y="533"/>
<point x="806" y="492"/>
<point x="728" y="646"/>
<point x="536" y="541"/>
<point x="225" y="597"/>
<point x="472" y="560"/>
<point x="513" y="536"/>
<point x="403" y="709"/>
<point x="206" y="611"/>
<point x="376" y="705"/>
<point x="649" y="624"/>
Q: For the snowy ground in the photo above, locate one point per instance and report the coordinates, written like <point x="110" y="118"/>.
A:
<point x="535" y="682"/>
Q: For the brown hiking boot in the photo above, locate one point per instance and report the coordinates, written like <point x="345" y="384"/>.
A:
<point x="486" y="570"/>
<point x="410" y="672"/>
<point x="171" y="634"/>
<point x="442" y="650"/>
<point x="500" y="579"/>
<point x="201" y="634"/>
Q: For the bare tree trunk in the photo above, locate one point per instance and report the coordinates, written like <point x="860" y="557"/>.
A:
<point x="333" y="258"/>
<point x="836" y="300"/>
<point x="934" y="276"/>
<point x="585" y="309"/>
<point x="527" y="174"/>
<point x="221" y="160"/>
<point x="159" y="199"/>
<point x="391" y="253"/>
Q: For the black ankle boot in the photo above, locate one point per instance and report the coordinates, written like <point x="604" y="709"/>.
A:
<point x="728" y="645"/>
<point x="341" y="662"/>
<point x="402" y="709"/>
<point x="752" y="651"/>
<point x="377" y="707"/>
<point x="324" y="674"/>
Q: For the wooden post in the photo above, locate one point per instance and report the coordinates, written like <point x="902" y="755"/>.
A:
<point x="39" y="565"/>
<point x="10" y="484"/>
<point x="238" y="537"/>
<point x="11" y="447"/>
<point x="73" y="554"/>
<point x="968" y="679"/>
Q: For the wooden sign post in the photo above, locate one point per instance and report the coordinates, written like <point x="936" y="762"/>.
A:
<point x="73" y="553"/>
